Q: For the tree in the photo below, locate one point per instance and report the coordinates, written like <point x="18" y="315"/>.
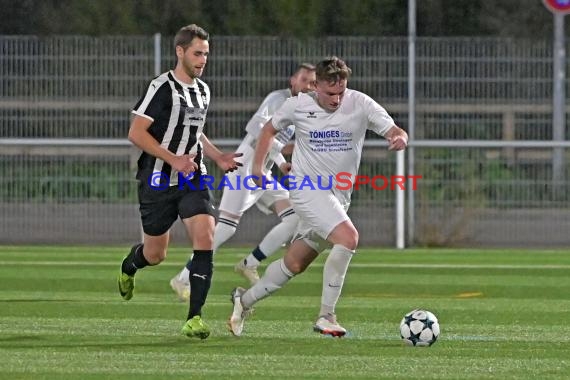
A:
<point x="299" y="18"/>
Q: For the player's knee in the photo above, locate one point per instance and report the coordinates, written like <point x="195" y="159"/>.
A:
<point x="296" y="266"/>
<point x="350" y="239"/>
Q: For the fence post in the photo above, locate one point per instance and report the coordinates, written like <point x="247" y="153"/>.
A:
<point x="157" y="54"/>
<point x="558" y="103"/>
<point x="400" y="206"/>
<point x="411" y="113"/>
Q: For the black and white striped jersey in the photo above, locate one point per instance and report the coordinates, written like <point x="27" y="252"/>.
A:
<point x="178" y="111"/>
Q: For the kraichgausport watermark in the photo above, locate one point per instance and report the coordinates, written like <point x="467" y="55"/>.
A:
<point x="342" y="181"/>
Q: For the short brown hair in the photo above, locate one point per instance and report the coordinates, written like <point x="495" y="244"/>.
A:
<point x="332" y="70"/>
<point x="304" y="66"/>
<point x="187" y="33"/>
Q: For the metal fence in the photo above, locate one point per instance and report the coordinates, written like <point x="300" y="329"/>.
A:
<point x="499" y="193"/>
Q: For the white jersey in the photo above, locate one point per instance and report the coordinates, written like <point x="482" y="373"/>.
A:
<point x="270" y="104"/>
<point x="267" y="108"/>
<point x="327" y="143"/>
<point x="237" y="202"/>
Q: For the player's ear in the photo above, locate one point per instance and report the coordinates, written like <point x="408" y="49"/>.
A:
<point x="291" y="80"/>
<point x="179" y="52"/>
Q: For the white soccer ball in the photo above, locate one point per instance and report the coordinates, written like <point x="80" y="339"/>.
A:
<point x="419" y="328"/>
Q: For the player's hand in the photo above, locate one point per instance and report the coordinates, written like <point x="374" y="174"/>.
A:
<point x="285" y="168"/>
<point x="227" y="162"/>
<point x="184" y="164"/>
<point x="397" y="143"/>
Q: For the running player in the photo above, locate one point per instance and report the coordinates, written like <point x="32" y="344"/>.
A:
<point x="330" y="126"/>
<point x="237" y="199"/>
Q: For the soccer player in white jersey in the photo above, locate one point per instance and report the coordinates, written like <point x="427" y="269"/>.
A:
<point x="330" y="126"/>
<point x="275" y="198"/>
<point x="168" y="126"/>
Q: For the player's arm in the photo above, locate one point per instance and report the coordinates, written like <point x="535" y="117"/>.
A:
<point x="264" y="143"/>
<point x="382" y="123"/>
<point x="280" y="161"/>
<point x="225" y="161"/>
<point x="397" y="138"/>
<point x="139" y="135"/>
<point x="288" y="148"/>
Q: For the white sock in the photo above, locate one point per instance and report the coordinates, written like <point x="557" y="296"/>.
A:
<point x="334" y="272"/>
<point x="276" y="275"/>
<point x="274" y="239"/>
<point x="225" y="229"/>
<point x="184" y="275"/>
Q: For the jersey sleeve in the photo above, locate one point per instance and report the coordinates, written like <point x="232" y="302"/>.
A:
<point x="158" y="96"/>
<point x="270" y="104"/>
<point x="379" y="120"/>
<point x="284" y="116"/>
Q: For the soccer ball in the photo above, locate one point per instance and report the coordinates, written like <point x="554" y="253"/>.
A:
<point x="419" y="328"/>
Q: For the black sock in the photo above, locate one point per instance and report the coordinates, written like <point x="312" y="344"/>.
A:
<point x="135" y="260"/>
<point x="201" y="270"/>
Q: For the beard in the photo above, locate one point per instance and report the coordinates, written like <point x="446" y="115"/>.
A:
<point x="190" y="70"/>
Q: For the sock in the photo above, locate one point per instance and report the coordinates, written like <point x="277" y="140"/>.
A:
<point x="135" y="260"/>
<point x="276" y="275"/>
<point x="279" y="235"/>
<point x="201" y="270"/>
<point x="334" y="272"/>
<point x="225" y="229"/>
<point x="254" y="258"/>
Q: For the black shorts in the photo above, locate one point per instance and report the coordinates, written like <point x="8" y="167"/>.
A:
<point x="160" y="208"/>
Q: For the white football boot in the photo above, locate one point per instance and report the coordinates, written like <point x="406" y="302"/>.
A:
<point x="181" y="288"/>
<point x="328" y="325"/>
<point x="239" y="313"/>
<point x="250" y="273"/>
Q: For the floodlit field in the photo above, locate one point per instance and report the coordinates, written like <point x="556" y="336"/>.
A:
<point x="504" y="314"/>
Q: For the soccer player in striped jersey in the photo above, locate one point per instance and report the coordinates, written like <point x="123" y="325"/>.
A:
<point x="167" y="126"/>
<point x="238" y="199"/>
<point x="330" y="126"/>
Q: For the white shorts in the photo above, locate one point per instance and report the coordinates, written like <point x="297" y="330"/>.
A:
<point x="238" y="199"/>
<point x="319" y="213"/>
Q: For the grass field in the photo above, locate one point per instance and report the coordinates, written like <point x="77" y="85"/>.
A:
<point x="504" y="314"/>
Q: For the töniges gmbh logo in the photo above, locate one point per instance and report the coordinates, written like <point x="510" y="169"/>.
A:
<point x="342" y="181"/>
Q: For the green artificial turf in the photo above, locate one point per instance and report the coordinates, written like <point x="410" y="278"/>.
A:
<point x="504" y="314"/>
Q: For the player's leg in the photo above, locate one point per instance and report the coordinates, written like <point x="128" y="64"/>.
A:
<point x="344" y="238"/>
<point x="232" y="205"/>
<point x="280" y="234"/>
<point x="197" y="214"/>
<point x="158" y="213"/>
<point x="224" y="229"/>
<point x="296" y="260"/>
<point x="327" y="219"/>
<point x="278" y="273"/>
